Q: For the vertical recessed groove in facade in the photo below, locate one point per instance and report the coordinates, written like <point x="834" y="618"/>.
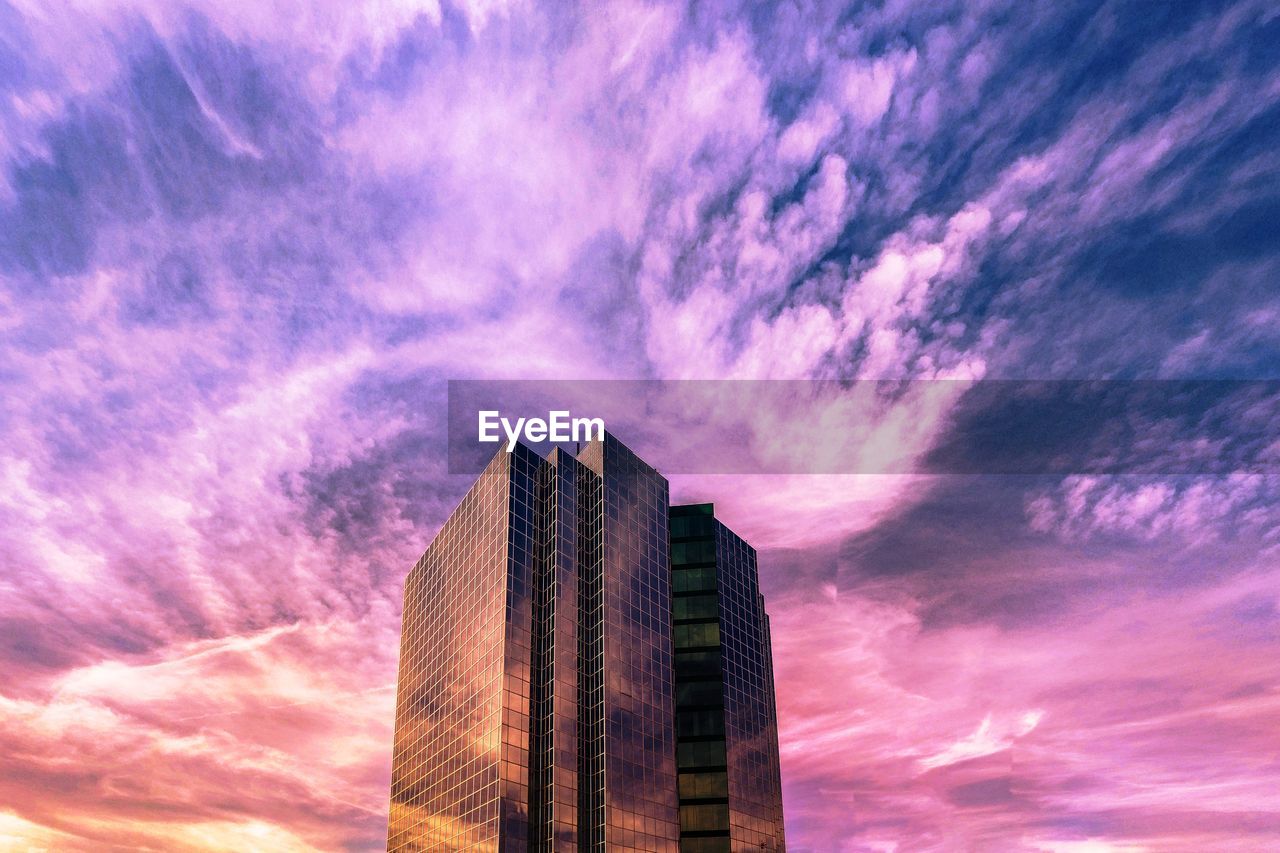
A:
<point x="541" y="724"/>
<point x="590" y="654"/>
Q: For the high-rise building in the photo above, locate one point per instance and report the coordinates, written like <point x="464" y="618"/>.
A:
<point x="730" y="786"/>
<point x="543" y="680"/>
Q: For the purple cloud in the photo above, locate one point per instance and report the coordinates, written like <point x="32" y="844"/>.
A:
<point x="242" y="248"/>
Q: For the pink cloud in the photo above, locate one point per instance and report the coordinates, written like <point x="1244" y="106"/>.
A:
<point x="282" y="736"/>
<point x="212" y="480"/>
<point x="1114" y="728"/>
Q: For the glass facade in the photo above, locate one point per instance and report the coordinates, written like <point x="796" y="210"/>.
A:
<point x="729" y="785"/>
<point x="456" y="781"/>
<point x="564" y="682"/>
<point x="640" y="809"/>
<point x="554" y="769"/>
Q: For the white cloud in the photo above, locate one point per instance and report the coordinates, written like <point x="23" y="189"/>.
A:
<point x="991" y="736"/>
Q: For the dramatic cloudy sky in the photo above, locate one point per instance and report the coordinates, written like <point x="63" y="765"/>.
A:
<point x="243" y="245"/>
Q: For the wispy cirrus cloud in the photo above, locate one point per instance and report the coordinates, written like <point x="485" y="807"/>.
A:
<point x="1077" y="726"/>
<point x="232" y="733"/>
<point x="242" y="246"/>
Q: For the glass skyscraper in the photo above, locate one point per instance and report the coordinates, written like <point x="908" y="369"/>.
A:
<point x="730" y="786"/>
<point x="566" y="685"/>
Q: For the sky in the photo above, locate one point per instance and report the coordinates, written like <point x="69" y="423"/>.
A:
<point x="243" y="247"/>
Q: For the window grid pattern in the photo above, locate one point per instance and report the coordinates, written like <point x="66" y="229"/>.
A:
<point x="641" y="809"/>
<point x="446" y="779"/>
<point x="750" y="716"/>
<point x="522" y="538"/>
<point x="591" y="715"/>
<point x="700" y="731"/>
<point x="553" y="792"/>
<point x="779" y="826"/>
<point x="726" y="722"/>
<point x="568" y="670"/>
